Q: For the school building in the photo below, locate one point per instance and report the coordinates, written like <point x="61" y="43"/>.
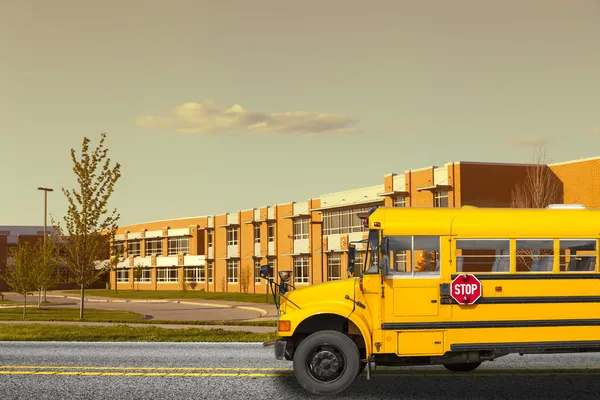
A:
<point x="11" y="235"/>
<point x="310" y="238"/>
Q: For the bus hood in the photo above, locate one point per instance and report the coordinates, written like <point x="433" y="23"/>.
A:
<point x="323" y="293"/>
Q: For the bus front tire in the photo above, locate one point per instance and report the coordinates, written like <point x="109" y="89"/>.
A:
<point x="361" y="368"/>
<point x="326" y="362"/>
<point x="462" y="367"/>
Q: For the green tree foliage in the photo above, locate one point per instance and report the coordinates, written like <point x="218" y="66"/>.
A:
<point x="20" y="272"/>
<point x="47" y="254"/>
<point x="89" y="227"/>
<point x="137" y="274"/>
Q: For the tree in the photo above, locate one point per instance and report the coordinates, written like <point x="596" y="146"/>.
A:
<point x="46" y="263"/>
<point x="89" y="228"/>
<point x="540" y="187"/>
<point x="138" y="272"/>
<point x="245" y="276"/>
<point x="20" y="272"/>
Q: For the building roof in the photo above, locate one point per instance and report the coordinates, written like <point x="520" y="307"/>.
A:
<point x="14" y="231"/>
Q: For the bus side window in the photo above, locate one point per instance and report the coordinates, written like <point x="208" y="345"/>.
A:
<point x="483" y="255"/>
<point x="427" y="254"/>
<point x="535" y="255"/>
<point x="410" y="255"/>
<point x="577" y="255"/>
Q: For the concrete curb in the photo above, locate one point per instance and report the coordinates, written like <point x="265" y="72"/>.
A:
<point x="261" y="311"/>
<point x="18" y="306"/>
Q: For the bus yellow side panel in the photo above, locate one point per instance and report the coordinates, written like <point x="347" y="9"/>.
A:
<point x="415" y="301"/>
<point x="541" y="336"/>
<point x="422" y="343"/>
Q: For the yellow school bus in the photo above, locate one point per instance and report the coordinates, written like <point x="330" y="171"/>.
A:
<point x="448" y="286"/>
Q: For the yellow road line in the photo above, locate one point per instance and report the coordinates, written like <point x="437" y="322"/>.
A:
<point x="264" y="375"/>
<point x="141" y="368"/>
<point x="199" y="374"/>
<point x="282" y="369"/>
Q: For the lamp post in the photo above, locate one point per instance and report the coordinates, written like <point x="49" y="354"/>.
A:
<point x="45" y="190"/>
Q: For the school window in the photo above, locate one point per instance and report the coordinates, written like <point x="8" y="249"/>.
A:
<point x="271" y="231"/>
<point x="123" y="275"/>
<point x="577" y="255"/>
<point x="359" y="261"/>
<point x="400" y="201"/>
<point x="400" y="260"/>
<point x="301" y="229"/>
<point x="301" y="269"/>
<point x="334" y="267"/>
<point x="142" y="275"/>
<point x="535" y="255"/>
<point x="482" y="255"/>
<point x="209" y="236"/>
<point x="119" y="249"/>
<point x="256" y="233"/>
<point x="194" y="274"/>
<point x="133" y="248"/>
<point x="167" y="275"/>
<point x="257" y="265"/>
<point x="441" y="198"/>
<point x="411" y="255"/>
<point x="271" y="264"/>
<point x="232" y="271"/>
<point x="232" y="236"/>
<point x="178" y="245"/>
<point x="343" y="221"/>
<point x="64" y="274"/>
<point x="209" y="271"/>
<point x="153" y="246"/>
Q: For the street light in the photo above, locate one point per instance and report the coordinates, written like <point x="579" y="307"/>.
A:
<point x="46" y="190"/>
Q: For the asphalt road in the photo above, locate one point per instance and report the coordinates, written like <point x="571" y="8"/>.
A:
<point x="243" y="371"/>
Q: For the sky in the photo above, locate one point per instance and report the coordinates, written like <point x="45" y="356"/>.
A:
<point x="213" y="107"/>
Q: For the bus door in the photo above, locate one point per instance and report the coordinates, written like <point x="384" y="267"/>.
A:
<point x="411" y="273"/>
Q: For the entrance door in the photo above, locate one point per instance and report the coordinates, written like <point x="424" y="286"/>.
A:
<point x="411" y="302"/>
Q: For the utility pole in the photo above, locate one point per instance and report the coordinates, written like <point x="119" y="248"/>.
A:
<point x="45" y="190"/>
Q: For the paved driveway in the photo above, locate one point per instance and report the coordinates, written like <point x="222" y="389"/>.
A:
<point x="182" y="310"/>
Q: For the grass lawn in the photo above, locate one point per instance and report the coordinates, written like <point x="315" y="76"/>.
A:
<point x="69" y="314"/>
<point x="35" y="332"/>
<point x="95" y="315"/>
<point x="178" y="294"/>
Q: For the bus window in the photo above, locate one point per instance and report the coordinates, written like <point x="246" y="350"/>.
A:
<point x="372" y="254"/>
<point x="535" y="255"/>
<point x="577" y="255"/>
<point x="411" y="255"/>
<point x="482" y="255"/>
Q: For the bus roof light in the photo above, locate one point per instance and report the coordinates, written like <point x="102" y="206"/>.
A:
<point x="566" y="206"/>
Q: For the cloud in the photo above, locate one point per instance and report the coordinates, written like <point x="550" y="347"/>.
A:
<point x="527" y="142"/>
<point x="208" y="118"/>
<point x="596" y="130"/>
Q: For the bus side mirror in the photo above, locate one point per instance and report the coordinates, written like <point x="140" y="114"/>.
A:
<point x="351" y="258"/>
<point x="264" y="271"/>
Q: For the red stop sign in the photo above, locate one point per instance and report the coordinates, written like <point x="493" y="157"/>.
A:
<point x="466" y="289"/>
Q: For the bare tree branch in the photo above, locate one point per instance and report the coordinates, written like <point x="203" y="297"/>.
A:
<point x="540" y="187"/>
